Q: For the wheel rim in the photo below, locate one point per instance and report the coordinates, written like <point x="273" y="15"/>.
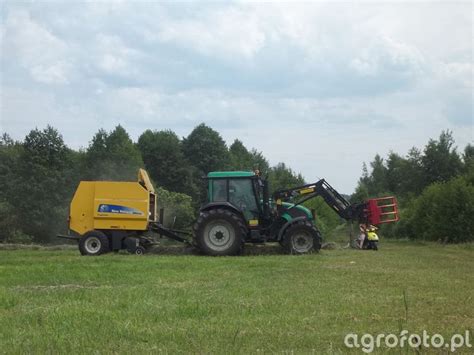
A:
<point x="92" y="245"/>
<point x="302" y="242"/>
<point x="139" y="251"/>
<point x="219" y="235"/>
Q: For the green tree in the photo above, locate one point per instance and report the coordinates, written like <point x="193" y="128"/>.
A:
<point x="10" y="223"/>
<point x="282" y="177"/>
<point x="378" y="177"/>
<point x="240" y="157"/>
<point x="395" y="172"/>
<point x="405" y="175"/>
<point x="243" y="159"/>
<point x="413" y="181"/>
<point x="443" y="212"/>
<point x="468" y="158"/>
<point x="259" y="161"/>
<point x="440" y="160"/>
<point x="43" y="186"/>
<point x="362" y="190"/>
<point x="9" y="153"/>
<point x="326" y="219"/>
<point x="164" y="159"/>
<point x="401" y="176"/>
<point x="6" y="141"/>
<point x="112" y="156"/>
<point x="206" y="150"/>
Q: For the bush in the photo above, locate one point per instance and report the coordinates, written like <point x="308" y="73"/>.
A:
<point x="326" y="219"/>
<point x="176" y="205"/>
<point x="444" y="212"/>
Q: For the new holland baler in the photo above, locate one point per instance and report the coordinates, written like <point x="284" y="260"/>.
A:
<point x="113" y="215"/>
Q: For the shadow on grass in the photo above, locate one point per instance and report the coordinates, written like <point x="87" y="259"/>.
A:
<point x="249" y="249"/>
<point x="12" y="246"/>
<point x="168" y="248"/>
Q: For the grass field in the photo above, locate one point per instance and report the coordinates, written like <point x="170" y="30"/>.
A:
<point x="60" y="302"/>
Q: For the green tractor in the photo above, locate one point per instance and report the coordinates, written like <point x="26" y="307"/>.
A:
<point x="239" y="210"/>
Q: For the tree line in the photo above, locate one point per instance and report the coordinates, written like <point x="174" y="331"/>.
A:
<point x="434" y="187"/>
<point x="39" y="174"/>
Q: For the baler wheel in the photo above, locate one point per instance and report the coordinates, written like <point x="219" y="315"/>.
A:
<point x="140" y="251"/>
<point x="94" y="243"/>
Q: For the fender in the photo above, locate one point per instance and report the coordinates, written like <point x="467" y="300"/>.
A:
<point x="224" y="205"/>
<point x="288" y="224"/>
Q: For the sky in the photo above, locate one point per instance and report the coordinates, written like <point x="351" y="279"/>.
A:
<point x="321" y="86"/>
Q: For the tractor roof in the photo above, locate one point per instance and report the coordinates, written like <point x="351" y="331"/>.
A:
<point x="229" y="174"/>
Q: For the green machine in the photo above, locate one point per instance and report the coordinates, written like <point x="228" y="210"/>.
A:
<point x="239" y="210"/>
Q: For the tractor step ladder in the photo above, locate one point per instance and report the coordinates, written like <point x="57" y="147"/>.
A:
<point x="382" y="210"/>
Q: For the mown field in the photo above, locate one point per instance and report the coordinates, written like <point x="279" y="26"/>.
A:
<point x="60" y="302"/>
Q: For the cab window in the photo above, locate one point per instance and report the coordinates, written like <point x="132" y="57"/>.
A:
<point x="219" y="190"/>
<point x="241" y="194"/>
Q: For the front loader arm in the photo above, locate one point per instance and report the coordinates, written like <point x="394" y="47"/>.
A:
<point x="373" y="211"/>
<point x="321" y="188"/>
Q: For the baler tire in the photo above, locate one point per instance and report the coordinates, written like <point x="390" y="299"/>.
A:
<point x="140" y="251"/>
<point x="303" y="227"/>
<point x="234" y="231"/>
<point x="87" y="246"/>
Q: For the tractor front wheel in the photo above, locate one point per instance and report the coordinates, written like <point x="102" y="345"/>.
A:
<point x="301" y="238"/>
<point x="94" y="243"/>
<point x="219" y="232"/>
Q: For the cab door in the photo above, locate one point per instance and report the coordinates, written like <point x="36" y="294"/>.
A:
<point x="242" y="195"/>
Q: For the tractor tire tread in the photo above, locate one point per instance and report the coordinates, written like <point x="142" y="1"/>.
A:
<point x="241" y="231"/>
<point x="286" y="243"/>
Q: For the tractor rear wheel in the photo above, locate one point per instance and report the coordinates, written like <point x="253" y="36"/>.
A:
<point x="94" y="243"/>
<point x="219" y="232"/>
<point x="301" y="238"/>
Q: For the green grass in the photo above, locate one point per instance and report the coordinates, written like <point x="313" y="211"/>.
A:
<point x="60" y="302"/>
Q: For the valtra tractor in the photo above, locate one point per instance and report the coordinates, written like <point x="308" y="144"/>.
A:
<point x="240" y="210"/>
<point x="107" y="216"/>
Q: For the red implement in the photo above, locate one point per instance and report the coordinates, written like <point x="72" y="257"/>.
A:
<point x="382" y="210"/>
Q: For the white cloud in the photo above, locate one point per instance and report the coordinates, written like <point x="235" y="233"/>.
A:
<point x="130" y="103"/>
<point x="42" y="53"/>
<point x="387" y="53"/>
<point x="114" y="57"/>
<point x="306" y="83"/>
<point x="459" y="72"/>
<point x="55" y="73"/>
<point x="224" y="32"/>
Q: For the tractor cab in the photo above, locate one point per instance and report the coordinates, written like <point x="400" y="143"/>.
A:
<point x="240" y="190"/>
<point x="247" y="192"/>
